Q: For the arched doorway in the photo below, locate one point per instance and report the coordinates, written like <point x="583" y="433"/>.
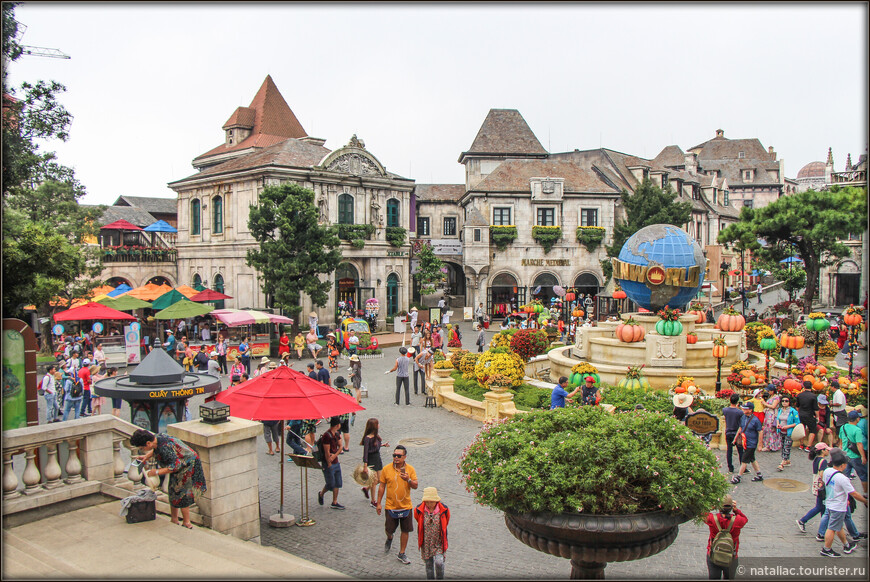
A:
<point x="197" y="283"/>
<point x="546" y="282"/>
<point x="848" y="281"/>
<point x="504" y="295"/>
<point x="455" y="283"/>
<point x="218" y="286"/>
<point x="115" y="281"/>
<point x="587" y="284"/>
<point x="346" y="284"/>
<point x="159" y="280"/>
<point x="392" y="295"/>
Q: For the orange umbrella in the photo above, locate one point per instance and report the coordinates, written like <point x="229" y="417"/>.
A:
<point x="187" y="291"/>
<point x="149" y="291"/>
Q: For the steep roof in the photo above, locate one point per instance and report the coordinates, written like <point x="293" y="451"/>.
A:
<point x="131" y="214"/>
<point x="476" y="217"/>
<point x="149" y="204"/>
<point x="732" y="170"/>
<point x="273" y="121"/>
<point x="670" y="156"/>
<point x="504" y="131"/>
<point x="292" y="153"/>
<point x="439" y="192"/>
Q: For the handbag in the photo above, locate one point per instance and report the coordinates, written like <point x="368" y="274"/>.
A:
<point x="798" y="432"/>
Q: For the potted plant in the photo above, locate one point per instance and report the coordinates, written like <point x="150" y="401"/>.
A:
<point x="669" y="322"/>
<point x="628" y="494"/>
<point x="443" y="368"/>
<point x="499" y="383"/>
<point x="547" y="236"/>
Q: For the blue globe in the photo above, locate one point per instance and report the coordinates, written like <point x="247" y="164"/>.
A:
<point x="668" y="247"/>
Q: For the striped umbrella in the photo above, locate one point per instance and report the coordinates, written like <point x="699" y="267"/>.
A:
<point x="234" y="317"/>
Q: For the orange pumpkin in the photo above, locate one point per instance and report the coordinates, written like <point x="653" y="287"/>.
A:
<point x="809" y="378"/>
<point x="629" y="333"/>
<point x="746" y="381"/>
<point x="691" y="339"/>
<point x="822" y="370"/>
<point x="686" y="384"/>
<point x="864" y="372"/>
<point x="577" y="313"/>
<point x="619" y="294"/>
<point x="852" y="319"/>
<point x="680" y="389"/>
<point x="700" y="316"/>
<point x="731" y="322"/>
<point x="818" y="386"/>
<point x="809" y="369"/>
<point x="720" y="351"/>
<point x="791" y="385"/>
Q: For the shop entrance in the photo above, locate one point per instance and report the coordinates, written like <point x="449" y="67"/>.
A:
<point x="392" y="295"/>
<point x="544" y="284"/>
<point x="848" y="288"/>
<point x="346" y="283"/>
<point x="503" y="296"/>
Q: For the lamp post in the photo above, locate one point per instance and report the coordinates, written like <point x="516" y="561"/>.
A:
<point x="767" y="344"/>
<point x="742" y="283"/>
<point x="723" y="270"/>
<point x="720" y="350"/>
<point x="852" y="318"/>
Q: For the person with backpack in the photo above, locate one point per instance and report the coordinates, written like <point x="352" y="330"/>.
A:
<point x="724" y="540"/>
<point x="75" y="392"/>
<point x="328" y="449"/>
<point x="817" y="456"/>
<point x="853" y="445"/>
<point x="838" y="489"/>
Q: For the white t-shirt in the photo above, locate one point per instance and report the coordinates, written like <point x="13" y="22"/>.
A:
<point x="353" y="340"/>
<point x="837" y="490"/>
<point x="48" y="384"/>
<point x="214" y="368"/>
<point x="838" y="401"/>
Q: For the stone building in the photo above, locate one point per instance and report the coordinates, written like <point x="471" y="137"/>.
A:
<point x="265" y="144"/>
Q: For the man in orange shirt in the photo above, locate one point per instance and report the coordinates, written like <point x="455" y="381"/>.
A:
<point x="397" y="480"/>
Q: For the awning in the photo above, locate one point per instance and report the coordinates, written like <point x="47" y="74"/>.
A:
<point x="121" y="225"/>
<point x="234" y="317"/>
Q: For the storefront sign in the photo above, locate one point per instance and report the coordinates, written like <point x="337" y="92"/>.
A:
<point x="397" y="253"/>
<point x="702" y="422"/>
<point x="257" y="349"/>
<point x="545" y="262"/>
<point x="131" y="344"/>
<point x="346" y="283"/>
<point x="446" y="247"/>
<point x="657" y="275"/>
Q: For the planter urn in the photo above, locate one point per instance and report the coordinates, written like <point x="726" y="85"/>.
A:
<point x="590" y="541"/>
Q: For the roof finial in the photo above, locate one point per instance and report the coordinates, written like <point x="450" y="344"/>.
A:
<point x="830" y="161"/>
<point x="848" y="161"/>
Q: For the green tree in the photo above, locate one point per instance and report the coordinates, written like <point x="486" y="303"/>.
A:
<point x="794" y="279"/>
<point x="811" y="223"/>
<point x="43" y="223"/>
<point x="429" y="269"/>
<point x="294" y="249"/>
<point x="648" y="205"/>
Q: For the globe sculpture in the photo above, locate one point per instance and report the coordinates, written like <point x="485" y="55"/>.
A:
<point x="660" y="265"/>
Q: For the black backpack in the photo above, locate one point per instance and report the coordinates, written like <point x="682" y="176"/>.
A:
<point x="77" y="389"/>
<point x="318" y="450"/>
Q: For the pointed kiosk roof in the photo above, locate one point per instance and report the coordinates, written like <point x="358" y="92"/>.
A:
<point x="504" y="132"/>
<point x="269" y="118"/>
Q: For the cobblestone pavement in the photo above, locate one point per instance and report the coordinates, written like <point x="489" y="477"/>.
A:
<point x="351" y="541"/>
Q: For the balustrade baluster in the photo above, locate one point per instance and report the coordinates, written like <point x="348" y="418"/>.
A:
<point x="52" y="472"/>
<point x="73" y="464"/>
<point x="31" y="476"/>
<point x="117" y="461"/>
<point x="10" y="479"/>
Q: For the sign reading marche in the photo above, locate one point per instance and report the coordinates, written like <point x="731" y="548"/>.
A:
<point x="545" y="262"/>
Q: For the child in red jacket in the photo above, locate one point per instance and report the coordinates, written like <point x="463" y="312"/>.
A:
<point x="432" y="518"/>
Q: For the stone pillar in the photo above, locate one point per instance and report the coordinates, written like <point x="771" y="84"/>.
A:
<point x="97" y="456"/>
<point x="498" y="405"/>
<point x="228" y="451"/>
<point x="439" y="385"/>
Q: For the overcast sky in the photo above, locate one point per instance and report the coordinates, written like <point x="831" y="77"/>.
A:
<point x="151" y="85"/>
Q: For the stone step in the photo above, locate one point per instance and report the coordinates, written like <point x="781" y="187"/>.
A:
<point x="22" y="558"/>
<point x="154" y="549"/>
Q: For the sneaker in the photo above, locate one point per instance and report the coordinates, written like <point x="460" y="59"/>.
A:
<point x="320" y="498"/>
<point x="337" y="506"/>
<point x="758" y="478"/>
<point x="828" y="553"/>
<point x="387" y="545"/>
<point x="404" y="559"/>
<point x="365" y="492"/>
<point x="735" y="479"/>
<point x="820" y="538"/>
<point x="802" y="526"/>
<point x="860" y="536"/>
<point x="850" y="547"/>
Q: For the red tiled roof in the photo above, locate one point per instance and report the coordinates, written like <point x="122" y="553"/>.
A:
<point x="241" y="117"/>
<point x="273" y="122"/>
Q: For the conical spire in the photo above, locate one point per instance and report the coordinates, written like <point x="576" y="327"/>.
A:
<point x="848" y="162"/>
<point x="830" y="161"/>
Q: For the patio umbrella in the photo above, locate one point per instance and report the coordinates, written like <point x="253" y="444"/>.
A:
<point x="183" y="309"/>
<point x="791" y="260"/>
<point x="235" y="317"/>
<point x="209" y="295"/>
<point x="93" y="311"/>
<point x="187" y="291"/>
<point x="160" y="226"/>
<point x="285" y="394"/>
<point x="119" y="290"/>
<point x="149" y="291"/>
<point x="125" y="303"/>
<point x="558" y="290"/>
<point x="167" y="299"/>
<point x="121" y="225"/>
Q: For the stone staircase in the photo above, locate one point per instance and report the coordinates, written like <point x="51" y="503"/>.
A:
<point x="95" y="542"/>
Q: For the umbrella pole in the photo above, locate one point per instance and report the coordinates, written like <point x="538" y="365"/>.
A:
<point x="281" y="505"/>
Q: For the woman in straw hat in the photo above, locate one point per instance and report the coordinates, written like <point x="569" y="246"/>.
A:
<point x="432" y="518"/>
<point x="332" y="351"/>
<point x="682" y="405"/>
<point x="371" y="444"/>
<point x="263" y="367"/>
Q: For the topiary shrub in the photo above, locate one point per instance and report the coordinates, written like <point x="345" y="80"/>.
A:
<point x="504" y="362"/>
<point x="466" y="365"/>
<point x="456" y="357"/>
<point x="828" y="349"/>
<point x="529" y="342"/>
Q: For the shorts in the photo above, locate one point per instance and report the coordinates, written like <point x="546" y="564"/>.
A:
<point x="116" y="403"/>
<point x="860" y="469"/>
<point x="391" y="523"/>
<point x="810" y="422"/>
<point x="748" y="456"/>
<point x="836" y="519"/>
<point x="313" y="347"/>
<point x="332" y="476"/>
<point x="375" y="461"/>
<point x="345" y="426"/>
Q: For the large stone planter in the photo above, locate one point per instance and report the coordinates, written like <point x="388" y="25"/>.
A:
<point x="443" y="372"/>
<point x="590" y="541"/>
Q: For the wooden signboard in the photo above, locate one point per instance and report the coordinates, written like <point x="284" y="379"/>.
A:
<point x="702" y="422"/>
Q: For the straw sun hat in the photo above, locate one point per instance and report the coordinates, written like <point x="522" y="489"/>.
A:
<point x="431" y="494"/>
<point x="683" y="400"/>
<point x="360" y="479"/>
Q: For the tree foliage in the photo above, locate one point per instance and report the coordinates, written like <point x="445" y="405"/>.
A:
<point x="648" y="205"/>
<point x="810" y="223"/>
<point x="294" y="249"/>
<point x="44" y="226"/>
<point x="429" y="271"/>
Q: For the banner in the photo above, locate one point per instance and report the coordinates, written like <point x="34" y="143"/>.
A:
<point x="131" y="343"/>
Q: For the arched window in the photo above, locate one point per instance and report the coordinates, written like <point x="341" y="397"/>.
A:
<point x="217" y="215"/>
<point x="392" y="294"/>
<point x="219" y="287"/>
<point x="345" y="209"/>
<point x="392" y="212"/>
<point x="195" y="215"/>
<point x="197" y="283"/>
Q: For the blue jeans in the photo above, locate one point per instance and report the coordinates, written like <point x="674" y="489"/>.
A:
<point x="729" y="439"/>
<point x="332" y="476"/>
<point x="76" y="405"/>
<point x="850" y="525"/>
<point x="859" y="468"/>
<point x="246" y="362"/>
<point x="818" y="509"/>
<point x="50" y="407"/>
<point x="86" y="402"/>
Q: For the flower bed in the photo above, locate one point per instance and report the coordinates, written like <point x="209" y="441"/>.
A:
<point x="547" y="236"/>
<point x="590" y="236"/>
<point x="529" y="342"/>
<point x="502" y="236"/>
<point x="500" y="361"/>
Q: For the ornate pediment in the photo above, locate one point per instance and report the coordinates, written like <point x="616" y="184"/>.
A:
<point x="354" y="159"/>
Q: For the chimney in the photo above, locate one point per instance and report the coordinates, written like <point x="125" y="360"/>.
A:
<point x="720" y="133"/>
<point x="772" y="153"/>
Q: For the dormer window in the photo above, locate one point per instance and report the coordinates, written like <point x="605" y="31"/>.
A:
<point x="741" y="155"/>
<point x="229" y="137"/>
<point x="747" y="175"/>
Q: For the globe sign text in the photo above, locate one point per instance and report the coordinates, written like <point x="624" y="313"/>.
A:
<point x="660" y="265"/>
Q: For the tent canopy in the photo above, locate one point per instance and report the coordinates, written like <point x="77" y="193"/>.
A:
<point x="160" y="226"/>
<point x="121" y="225"/>
<point x="187" y="291"/>
<point x="209" y="295"/>
<point x="234" y="317"/>
<point x="125" y="303"/>
<point x="120" y="289"/>
<point x="183" y="309"/>
<point x="149" y="291"/>
<point x="167" y="299"/>
<point x="93" y="311"/>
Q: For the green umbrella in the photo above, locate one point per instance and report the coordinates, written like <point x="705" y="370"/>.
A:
<point x="124" y="303"/>
<point x="167" y="299"/>
<point x="183" y="309"/>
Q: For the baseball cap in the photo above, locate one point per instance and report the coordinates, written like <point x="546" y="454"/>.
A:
<point x="854" y="415"/>
<point x="86" y="362"/>
<point x="590" y="379"/>
<point x="747" y="405"/>
<point x="821" y="446"/>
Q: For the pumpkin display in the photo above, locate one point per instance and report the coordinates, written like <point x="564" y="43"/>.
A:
<point x="852" y="319"/>
<point x="577" y="313"/>
<point x="680" y="389"/>
<point x="767" y="343"/>
<point x="791" y="342"/>
<point x="619" y="294"/>
<point x="818" y="385"/>
<point x="569" y="296"/>
<point x="818" y="323"/>
<point x="746" y="380"/>
<point x="864" y="372"/>
<point x="731" y="320"/>
<point x="700" y="316"/>
<point x="669" y="328"/>
<point x="629" y="331"/>
<point x="791" y="385"/>
<point x="634" y="383"/>
<point x="691" y="338"/>
<point x="579" y="378"/>
<point x="720" y="349"/>
<point x="823" y="371"/>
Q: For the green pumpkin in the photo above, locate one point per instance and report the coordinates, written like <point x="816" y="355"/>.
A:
<point x="634" y="383"/>
<point x="669" y="327"/>
<point x="820" y="324"/>
<point x="767" y="343"/>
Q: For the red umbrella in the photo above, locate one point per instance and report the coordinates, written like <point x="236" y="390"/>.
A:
<point x="92" y="310"/>
<point x="121" y="225"/>
<point x="285" y="394"/>
<point x="209" y="295"/>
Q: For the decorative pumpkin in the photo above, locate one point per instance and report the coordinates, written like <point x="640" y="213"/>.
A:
<point x="720" y="349"/>
<point x="577" y="313"/>
<point x="629" y="331"/>
<point x="823" y="371"/>
<point x="700" y="316"/>
<point x="579" y="378"/>
<point x="767" y="344"/>
<point x="634" y="383"/>
<point x="746" y="381"/>
<point x="864" y="372"/>
<point x="680" y="389"/>
<point x="619" y="294"/>
<point x="569" y="296"/>
<point x="691" y="338"/>
<point x="852" y="319"/>
<point x="730" y="320"/>
<point x="669" y="327"/>
<point x="792" y="385"/>
<point x="818" y="385"/>
<point x="791" y="342"/>
<point x="818" y="324"/>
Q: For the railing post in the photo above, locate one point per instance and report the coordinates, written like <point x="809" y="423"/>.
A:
<point x="52" y="472"/>
<point x="73" y="465"/>
<point x="117" y="461"/>
<point x="31" y="475"/>
<point x="10" y="479"/>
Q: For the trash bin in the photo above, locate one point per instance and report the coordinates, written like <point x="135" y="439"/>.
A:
<point x="399" y="325"/>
